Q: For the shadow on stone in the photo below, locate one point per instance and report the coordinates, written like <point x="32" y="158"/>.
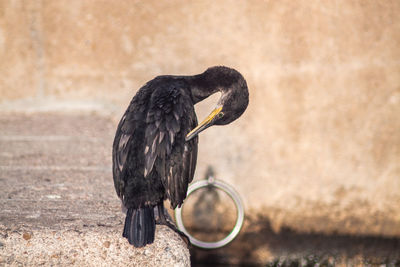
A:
<point x="259" y="244"/>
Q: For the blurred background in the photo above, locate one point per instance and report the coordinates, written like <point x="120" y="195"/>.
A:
<point x="316" y="156"/>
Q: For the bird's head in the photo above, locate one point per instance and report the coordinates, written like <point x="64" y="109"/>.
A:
<point x="234" y="96"/>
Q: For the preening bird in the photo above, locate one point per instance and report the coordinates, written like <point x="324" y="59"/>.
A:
<point x="155" y="146"/>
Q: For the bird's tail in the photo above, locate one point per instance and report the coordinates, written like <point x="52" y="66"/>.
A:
<point x="140" y="226"/>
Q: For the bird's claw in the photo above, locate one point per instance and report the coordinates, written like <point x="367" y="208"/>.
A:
<point x="184" y="237"/>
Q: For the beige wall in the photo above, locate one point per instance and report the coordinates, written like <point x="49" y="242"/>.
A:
<point x="318" y="148"/>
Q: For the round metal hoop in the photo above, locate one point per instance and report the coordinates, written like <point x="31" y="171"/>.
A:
<point x="239" y="207"/>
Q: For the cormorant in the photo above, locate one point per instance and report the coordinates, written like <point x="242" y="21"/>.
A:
<point x="155" y="145"/>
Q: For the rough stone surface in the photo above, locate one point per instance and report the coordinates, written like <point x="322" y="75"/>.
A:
<point x="57" y="200"/>
<point x="99" y="246"/>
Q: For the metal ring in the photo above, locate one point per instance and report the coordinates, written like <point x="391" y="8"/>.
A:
<point x="239" y="207"/>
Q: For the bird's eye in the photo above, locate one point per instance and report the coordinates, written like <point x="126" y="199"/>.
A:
<point x="220" y="115"/>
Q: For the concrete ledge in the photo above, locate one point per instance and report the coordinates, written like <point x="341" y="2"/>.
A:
<point x="58" y="205"/>
<point x="94" y="247"/>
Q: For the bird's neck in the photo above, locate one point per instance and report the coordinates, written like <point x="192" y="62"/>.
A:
<point x="201" y="88"/>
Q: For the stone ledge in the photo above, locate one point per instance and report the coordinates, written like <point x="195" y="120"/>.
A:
<point x="92" y="247"/>
<point x="58" y="205"/>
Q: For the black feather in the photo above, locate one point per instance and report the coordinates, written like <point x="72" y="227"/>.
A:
<point x="139" y="226"/>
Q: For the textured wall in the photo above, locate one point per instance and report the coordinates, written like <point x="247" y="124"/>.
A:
<point x="319" y="146"/>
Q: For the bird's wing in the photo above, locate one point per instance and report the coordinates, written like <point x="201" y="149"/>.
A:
<point x="170" y="117"/>
<point x="123" y="138"/>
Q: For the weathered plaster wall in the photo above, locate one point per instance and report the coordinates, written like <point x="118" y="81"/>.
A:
<point x="318" y="148"/>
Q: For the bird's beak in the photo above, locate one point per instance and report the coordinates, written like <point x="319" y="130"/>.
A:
<point x="209" y="121"/>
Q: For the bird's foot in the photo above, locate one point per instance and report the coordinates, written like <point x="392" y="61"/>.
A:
<point x="176" y="230"/>
<point x="163" y="218"/>
<point x="180" y="233"/>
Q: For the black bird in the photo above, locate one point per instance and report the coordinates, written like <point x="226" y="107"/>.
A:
<point x="155" y="146"/>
